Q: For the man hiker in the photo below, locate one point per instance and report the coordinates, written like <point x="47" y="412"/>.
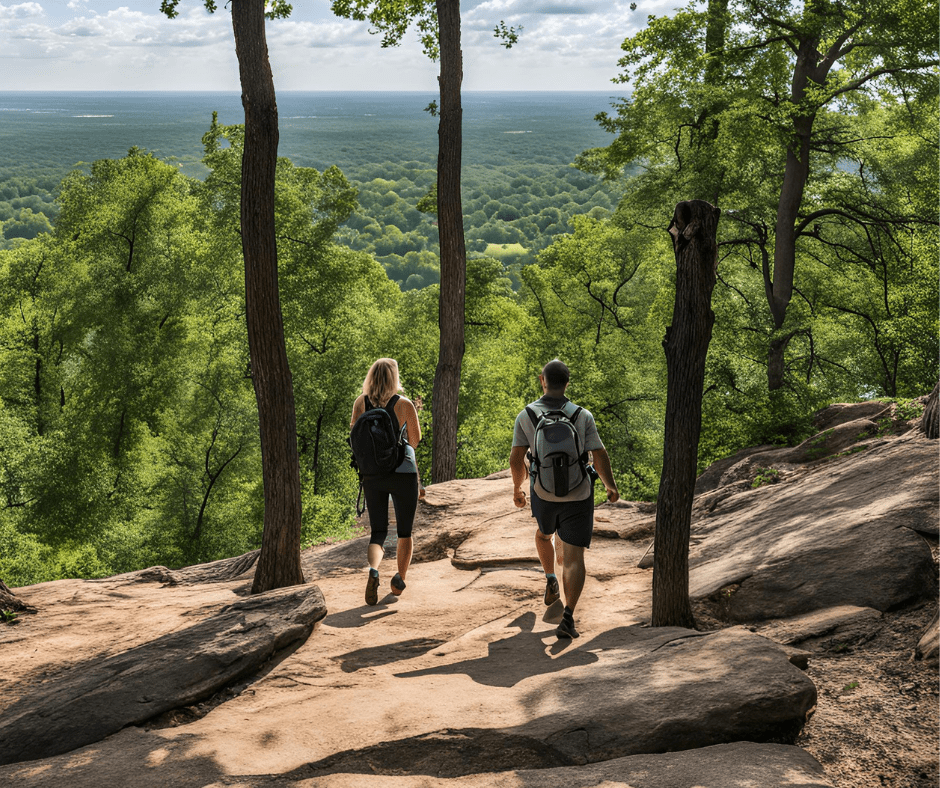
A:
<point x="556" y="435"/>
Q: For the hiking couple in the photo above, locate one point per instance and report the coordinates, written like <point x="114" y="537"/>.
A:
<point x="553" y="433"/>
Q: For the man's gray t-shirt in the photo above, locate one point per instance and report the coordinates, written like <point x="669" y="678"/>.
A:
<point x="524" y="435"/>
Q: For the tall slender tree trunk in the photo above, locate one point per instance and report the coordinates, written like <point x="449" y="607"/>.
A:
<point x="796" y="173"/>
<point x="279" y="561"/>
<point x="693" y="229"/>
<point x="453" y="249"/>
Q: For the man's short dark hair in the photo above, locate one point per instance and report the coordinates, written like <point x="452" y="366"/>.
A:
<point x="556" y="374"/>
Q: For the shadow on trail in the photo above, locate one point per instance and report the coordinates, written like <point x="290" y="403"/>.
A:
<point x="360" y="616"/>
<point x="515" y="658"/>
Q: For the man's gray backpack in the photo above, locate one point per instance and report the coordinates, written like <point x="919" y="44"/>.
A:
<point x="558" y="461"/>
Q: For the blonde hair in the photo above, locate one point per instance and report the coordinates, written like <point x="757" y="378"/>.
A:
<point x="382" y="382"/>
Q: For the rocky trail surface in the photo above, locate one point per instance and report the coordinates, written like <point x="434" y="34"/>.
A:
<point x="812" y="592"/>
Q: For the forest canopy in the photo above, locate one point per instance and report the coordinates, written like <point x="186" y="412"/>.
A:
<point x="128" y="428"/>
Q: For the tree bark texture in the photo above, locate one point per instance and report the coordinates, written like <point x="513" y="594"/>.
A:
<point x="10" y="602"/>
<point x="453" y="249"/>
<point x="930" y="422"/>
<point x="279" y="561"/>
<point x="779" y="284"/>
<point x="693" y="229"/>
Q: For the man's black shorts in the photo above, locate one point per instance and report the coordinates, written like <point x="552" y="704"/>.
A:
<point x="573" y="520"/>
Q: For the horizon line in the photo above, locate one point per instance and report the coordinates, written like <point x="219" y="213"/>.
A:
<point x="312" y="90"/>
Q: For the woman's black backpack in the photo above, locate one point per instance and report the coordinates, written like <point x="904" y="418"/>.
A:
<point x="377" y="442"/>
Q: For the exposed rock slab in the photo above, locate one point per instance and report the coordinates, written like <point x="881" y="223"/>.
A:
<point x="839" y="536"/>
<point x="670" y="689"/>
<point x="464" y="670"/>
<point x="94" y="700"/>
<point x="835" y="622"/>
<point x="738" y="765"/>
<point x="638" y="690"/>
<point x="841" y="413"/>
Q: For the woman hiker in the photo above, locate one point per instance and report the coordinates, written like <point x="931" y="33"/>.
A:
<point x="380" y="390"/>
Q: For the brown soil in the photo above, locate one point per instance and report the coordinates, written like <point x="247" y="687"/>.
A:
<point x="878" y="718"/>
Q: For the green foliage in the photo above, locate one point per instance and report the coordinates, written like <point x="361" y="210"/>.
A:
<point x="713" y="113"/>
<point x="24" y="223"/>
<point x="508" y="36"/>
<point x="764" y="476"/>
<point x="523" y="206"/>
<point x="274" y="9"/>
<point x="128" y="430"/>
<point x="392" y="18"/>
<point x="908" y="410"/>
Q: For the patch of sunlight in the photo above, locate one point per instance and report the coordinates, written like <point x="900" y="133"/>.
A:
<point x="157" y="757"/>
<point x="503" y="250"/>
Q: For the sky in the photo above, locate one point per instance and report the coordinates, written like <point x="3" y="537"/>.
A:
<point x="130" y="45"/>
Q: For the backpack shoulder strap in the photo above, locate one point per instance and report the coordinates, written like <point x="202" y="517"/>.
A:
<point x="367" y="403"/>
<point x="390" y="409"/>
<point x="573" y="418"/>
<point x="532" y="415"/>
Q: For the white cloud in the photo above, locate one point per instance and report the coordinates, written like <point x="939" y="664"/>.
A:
<point x="21" y="11"/>
<point x="565" y="44"/>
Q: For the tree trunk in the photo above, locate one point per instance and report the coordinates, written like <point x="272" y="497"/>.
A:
<point x="453" y="250"/>
<point x="930" y="422"/>
<point x="10" y="603"/>
<point x="693" y="229"/>
<point x="795" y="176"/>
<point x="776" y="362"/>
<point x="279" y="561"/>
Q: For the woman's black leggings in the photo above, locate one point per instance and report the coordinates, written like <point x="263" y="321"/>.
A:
<point x="403" y="487"/>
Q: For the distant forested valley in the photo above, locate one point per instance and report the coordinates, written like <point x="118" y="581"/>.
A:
<point x="128" y="425"/>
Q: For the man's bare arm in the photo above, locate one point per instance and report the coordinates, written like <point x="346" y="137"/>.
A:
<point x="519" y="473"/>
<point x="602" y="466"/>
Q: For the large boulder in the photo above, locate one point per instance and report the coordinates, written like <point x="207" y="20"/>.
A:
<point x="723" y="766"/>
<point x="630" y="690"/>
<point x="93" y="700"/>
<point x="846" y="535"/>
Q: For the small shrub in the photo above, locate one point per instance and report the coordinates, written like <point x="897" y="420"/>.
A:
<point x="908" y="410"/>
<point x="765" y="476"/>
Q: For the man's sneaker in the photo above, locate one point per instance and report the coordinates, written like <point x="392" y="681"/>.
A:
<point x="372" y="588"/>
<point x="566" y="628"/>
<point x="551" y="590"/>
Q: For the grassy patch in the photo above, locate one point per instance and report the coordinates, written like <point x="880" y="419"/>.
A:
<point x="765" y="476"/>
<point x="504" y="250"/>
